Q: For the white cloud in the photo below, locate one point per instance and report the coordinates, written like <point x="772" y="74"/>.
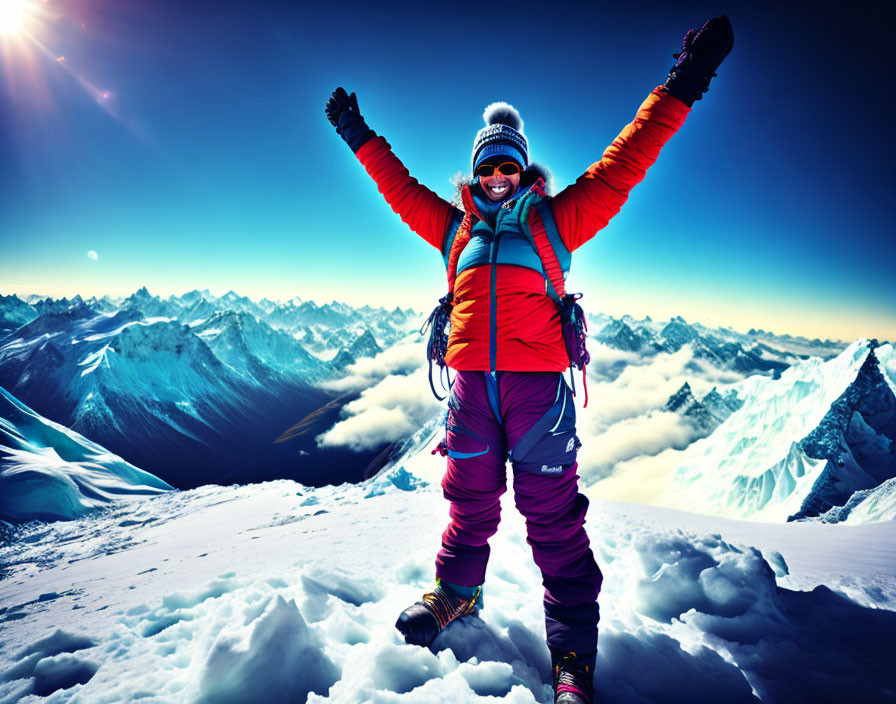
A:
<point x="645" y="386"/>
<point x="648" y="434"/>
<point x="604" y="355"/>
<point x="621" y="430"/>
<point x="402" y="358"/>
<point x="390" y="410"/>
<point x="630" y="446"/>
<point x="369" y="429"/>
<point x="92" y="255"/>
<point x="638" y="389"/>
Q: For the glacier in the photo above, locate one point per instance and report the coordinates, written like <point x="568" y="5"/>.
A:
<point x="49" y="472"/>
<point x="800" y="444"/>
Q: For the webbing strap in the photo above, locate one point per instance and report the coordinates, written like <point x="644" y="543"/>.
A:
<point x="462" y="236"/>
<point x="539" y="429"/>
<point x="550" y="265"/>
<point x="494" y="396"/>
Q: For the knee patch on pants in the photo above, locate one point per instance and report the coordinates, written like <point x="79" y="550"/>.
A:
<point x="551" y="445"/>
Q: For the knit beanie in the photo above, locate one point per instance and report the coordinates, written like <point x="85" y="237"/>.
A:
<point x="502" y="136"/>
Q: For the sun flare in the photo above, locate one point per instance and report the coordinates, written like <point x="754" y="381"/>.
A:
<point x="12" y="17"/>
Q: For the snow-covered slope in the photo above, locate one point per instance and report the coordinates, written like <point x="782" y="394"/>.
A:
<point x="799" y="445"/>
<point x="877" y="504"/>
<point x="49" y="472"/>
<point x="275" y="592"/>
<point x="887" y="356"/>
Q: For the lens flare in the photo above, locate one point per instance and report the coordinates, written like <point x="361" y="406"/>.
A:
<point x="13" y="14"/>
<point x="28" y="30"/>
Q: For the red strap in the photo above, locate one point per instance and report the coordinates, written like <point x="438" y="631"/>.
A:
<point x="462" y="236"/>
<point x="460" y="241"/>
<point x="585" y="385"/>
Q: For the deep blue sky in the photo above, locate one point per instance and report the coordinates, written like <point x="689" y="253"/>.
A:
<point x="211" y="164"/>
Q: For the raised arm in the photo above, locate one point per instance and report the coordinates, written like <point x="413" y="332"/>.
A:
<point x="585" y="207"/>
<point x="418" y="207"/>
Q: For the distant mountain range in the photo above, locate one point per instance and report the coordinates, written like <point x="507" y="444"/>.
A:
<point x="706" y="414"/>
<point x="753" y="352"/>
<point x="198" y="389"/>
<point x="193" y="388"/>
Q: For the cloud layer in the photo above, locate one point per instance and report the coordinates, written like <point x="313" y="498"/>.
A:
<point x="395" y="399"/>
<point x="623" y="426"/>
<point x="629" y="444"/>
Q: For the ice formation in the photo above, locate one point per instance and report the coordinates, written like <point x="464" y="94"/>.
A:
<point x="50" y="472"/>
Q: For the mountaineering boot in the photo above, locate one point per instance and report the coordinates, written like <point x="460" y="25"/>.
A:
<point x="573" y="677"/>
<point x="424" y="620"/>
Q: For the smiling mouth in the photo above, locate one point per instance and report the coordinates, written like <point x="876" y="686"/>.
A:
<point x="498" y="190"/>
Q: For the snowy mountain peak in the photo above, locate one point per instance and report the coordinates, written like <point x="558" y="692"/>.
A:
<point x="677" y="333"/>
<point x="721" y="406"/>
<point x="802" y="443"/>
<point x="681" y="399"/>
<point x="55" y="320"/>
<point x="857" y="438"/>
<point x="14" y="312"/>
<point x="141" y="293"/>
<point x="365" y="345"/>
<point x="145" y="342"/>
<point x="619" y="335"/>
<point x="343" y="359"/>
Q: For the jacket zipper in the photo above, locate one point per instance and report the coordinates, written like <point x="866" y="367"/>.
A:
<point x="493" y="257"/>
<point x="493" y="314"/>
<point x="493" y="302"/>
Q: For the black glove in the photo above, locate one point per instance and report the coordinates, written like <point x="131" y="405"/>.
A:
<point x="701" y="53"/>
<point x="342" y="112"/>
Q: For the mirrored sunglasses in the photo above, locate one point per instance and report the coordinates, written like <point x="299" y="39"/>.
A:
<point x="508" y="168"/>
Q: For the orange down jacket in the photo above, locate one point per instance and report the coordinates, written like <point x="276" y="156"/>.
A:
<point x="503" y="318"/>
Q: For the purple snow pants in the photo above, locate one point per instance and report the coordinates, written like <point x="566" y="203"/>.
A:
<point x="529" y="418"/>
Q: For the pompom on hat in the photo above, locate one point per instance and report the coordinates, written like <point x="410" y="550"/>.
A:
<point x="501" y="136"/>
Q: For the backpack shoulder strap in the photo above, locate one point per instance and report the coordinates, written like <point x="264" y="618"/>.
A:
<point x="538" y="237"/>
<point x="457" y="246"/>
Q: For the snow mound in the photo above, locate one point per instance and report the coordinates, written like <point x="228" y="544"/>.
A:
<point x="217" y="594"/>
<point x="49" y="472"/>
<point x="275" y="654"/>
<point x="724" y="597"/>
<point x="47" y="666"/>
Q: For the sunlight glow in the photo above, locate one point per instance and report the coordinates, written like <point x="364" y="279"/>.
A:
<point x="28" y="30"/>
<point x="12" y="16"/>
